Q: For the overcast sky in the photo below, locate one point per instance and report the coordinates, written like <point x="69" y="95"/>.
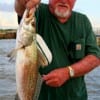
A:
<point x="89" y="7"/>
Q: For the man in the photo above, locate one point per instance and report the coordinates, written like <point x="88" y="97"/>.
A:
<point x="69" y="36"/>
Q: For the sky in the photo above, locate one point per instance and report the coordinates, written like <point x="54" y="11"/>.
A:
<point x="89" y="7"/>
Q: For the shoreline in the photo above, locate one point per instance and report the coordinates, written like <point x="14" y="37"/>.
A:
<point x="7" y="34"/>
<point x="11" y="34"/>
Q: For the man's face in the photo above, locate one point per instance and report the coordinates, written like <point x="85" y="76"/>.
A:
<point x="61" y="8"/>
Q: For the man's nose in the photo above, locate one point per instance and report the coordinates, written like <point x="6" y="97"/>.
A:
<point x="64" y="1"/>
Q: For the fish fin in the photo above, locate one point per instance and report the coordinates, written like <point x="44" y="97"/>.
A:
<point x="16" y="96"/>
<point x="42" y="60"/>
<point x="43" y="49"/>
<point x="12" y="54"/>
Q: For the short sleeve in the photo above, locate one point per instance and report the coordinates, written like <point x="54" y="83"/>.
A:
<point x="91" y="44"/>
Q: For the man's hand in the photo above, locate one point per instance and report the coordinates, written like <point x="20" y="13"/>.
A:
<point x="57" y="77"/>
<point x="29" y="3"/>
<point x="32" y="3"/>
<point x="22" y="2"/>
<point x="21" y="5"/>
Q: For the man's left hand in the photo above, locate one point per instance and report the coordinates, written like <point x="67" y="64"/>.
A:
<point x="57" y="77"/>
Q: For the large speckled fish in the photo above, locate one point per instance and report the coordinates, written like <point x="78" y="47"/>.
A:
<point x="29" y="56"/>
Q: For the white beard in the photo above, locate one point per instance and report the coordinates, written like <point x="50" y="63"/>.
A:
<point x="62" y="14"/>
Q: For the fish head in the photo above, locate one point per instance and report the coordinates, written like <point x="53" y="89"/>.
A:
<point x="29" y="21"/>
<point x="27" y="29"/>
<point x="30" y="24"/>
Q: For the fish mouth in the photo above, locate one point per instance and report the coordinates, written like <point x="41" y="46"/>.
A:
<point x="28" y="16"/>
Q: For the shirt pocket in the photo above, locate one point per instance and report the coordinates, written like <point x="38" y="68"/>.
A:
<point x="77" y="49"/>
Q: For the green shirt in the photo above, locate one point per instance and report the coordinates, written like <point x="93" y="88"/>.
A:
<point x="68" y="42"/>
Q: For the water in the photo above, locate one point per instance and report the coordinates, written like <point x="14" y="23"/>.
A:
<point x="7" y="71"/>
<point x="7" y="75"/>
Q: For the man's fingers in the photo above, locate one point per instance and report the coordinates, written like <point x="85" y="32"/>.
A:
<point x="48" y="76"/>
<point x="26" y="0"/>
<point x="32" y="10"/>
<point x="52" y="81"/>
<point x="30" y="4"/>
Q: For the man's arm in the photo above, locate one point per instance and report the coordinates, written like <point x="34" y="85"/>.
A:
<point x="59" y="76"/>
<point x="19" y="7"/>
<point x="85" y="65"/>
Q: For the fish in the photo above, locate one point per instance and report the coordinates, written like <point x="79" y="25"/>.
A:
<point x="29" y="56"/>
<point x="26" y="58"/>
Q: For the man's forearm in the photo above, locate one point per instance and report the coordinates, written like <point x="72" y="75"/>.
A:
<point x="19" y="8"/>
<point x="85" y="65"/>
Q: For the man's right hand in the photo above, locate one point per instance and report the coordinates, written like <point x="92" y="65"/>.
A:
<point x="32" y="3"/>
<point x="29" y="3"/>
<point x="22" y="2"/>
<point x="21" y="5"/>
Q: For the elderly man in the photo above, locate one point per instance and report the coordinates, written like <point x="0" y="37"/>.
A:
<point x="70" y="37"/>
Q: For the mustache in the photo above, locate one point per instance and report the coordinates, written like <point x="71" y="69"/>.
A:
<point x="62" y="4"/>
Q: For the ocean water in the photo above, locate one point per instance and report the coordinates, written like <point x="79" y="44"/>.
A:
<point x="7" y="75"/>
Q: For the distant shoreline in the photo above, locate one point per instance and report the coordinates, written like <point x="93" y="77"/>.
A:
<point x="8" y="34"/>
<point x="11" y="34"/>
